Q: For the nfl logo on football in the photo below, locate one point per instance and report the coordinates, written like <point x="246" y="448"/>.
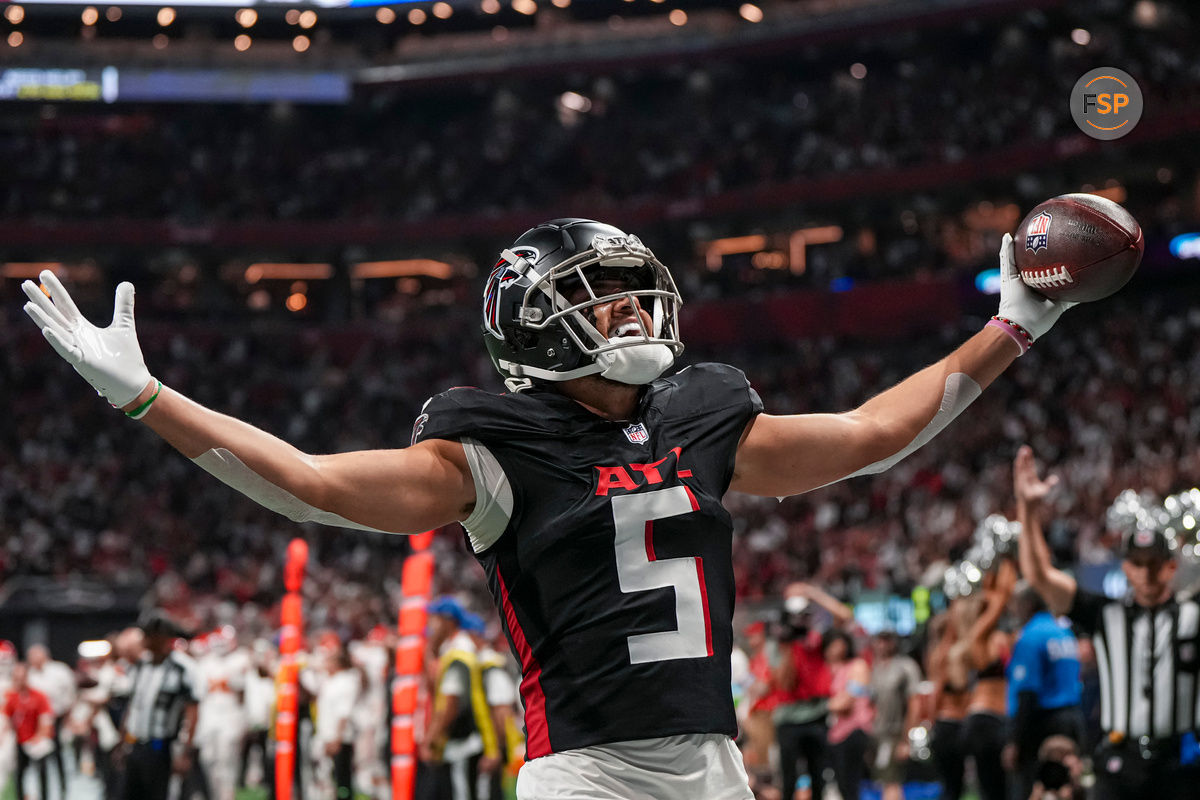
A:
<point x="1035" y="236"/>
<point x="637" y="433"/>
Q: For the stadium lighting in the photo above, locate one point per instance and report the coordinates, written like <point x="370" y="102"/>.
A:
<point x="988" y="281"/>
<point x="490" y="6"/>
<point x="14" y="14"/>
<point x="750" y="12"/>
<point x="385" y="16"/>
<point x="1081" y="37"/>
<point x="526" y="7"/>
<point x="678" y="17"/>
<point x="166" y="16"/>
<point x="1145" y="14"/>
<point x="21" y="270"/>
<point x="402" y="268"/>
<point x="275" y="271"/>
<point x="307" y="19"/>
<point x="242" y="43"/>
<point x="858" y="70"/>
<point x="442" y="10"/>
<point x="561" y="3"/>
<point x="160" y="41"/>
<point x="574" y="101"/>
<point x="90" y="16"/>
<point x="246" y="17"/>
<point x="417" y="16"/>
<point x="292" y="17"/>
<point x="301" y="43"/>
<point x="16" y="39"/>
<point x="113" y="13"/>
<point x="1186" y="245"/>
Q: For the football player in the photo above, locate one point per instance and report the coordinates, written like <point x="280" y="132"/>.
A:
<point x="590" y="493"/>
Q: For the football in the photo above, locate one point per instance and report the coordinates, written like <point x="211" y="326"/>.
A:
<point x="1078" y="247"/>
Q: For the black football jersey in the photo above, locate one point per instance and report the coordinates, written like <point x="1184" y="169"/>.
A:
<point x="614" y="576"/>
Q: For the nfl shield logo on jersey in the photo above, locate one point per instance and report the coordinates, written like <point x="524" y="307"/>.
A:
<point x="637" y="433"/>
<point x="1036" y="233"/>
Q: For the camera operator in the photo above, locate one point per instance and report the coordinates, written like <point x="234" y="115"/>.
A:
<point x="804" y="679"/>
<point x="1058" y="771"/>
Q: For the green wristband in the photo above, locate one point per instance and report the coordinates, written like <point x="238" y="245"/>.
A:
<point x="141" y="410"/>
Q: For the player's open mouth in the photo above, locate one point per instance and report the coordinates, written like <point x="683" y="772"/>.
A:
<point x="627" y="329"/>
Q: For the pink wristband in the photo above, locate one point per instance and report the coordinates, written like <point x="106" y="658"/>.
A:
<point x="1020" y="337"/>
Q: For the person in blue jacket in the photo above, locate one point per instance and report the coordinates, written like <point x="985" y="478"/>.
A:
<point x="1044" y="688"/>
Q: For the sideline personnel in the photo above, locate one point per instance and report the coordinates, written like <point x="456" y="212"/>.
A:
<point x="1146" y="649"/>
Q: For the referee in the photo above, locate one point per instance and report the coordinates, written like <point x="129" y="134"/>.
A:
<point x="161" y="717"/>
<point x="1146" y="651"/>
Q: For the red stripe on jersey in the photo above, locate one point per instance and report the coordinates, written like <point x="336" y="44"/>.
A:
<point x="650" y="540"/>
<point x="704" y="601"/>
<point x="537" y="730"/>
<point x="695" y="507"/>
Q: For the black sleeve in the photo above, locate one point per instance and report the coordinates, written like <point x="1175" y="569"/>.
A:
<point x="712" y="387"/>
<point x="712" y="403"/>
<point x="1085" y="611"/>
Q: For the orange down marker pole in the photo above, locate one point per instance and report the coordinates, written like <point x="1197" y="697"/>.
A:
<point x="291" y="618"/>
<point x="416" y="585"/>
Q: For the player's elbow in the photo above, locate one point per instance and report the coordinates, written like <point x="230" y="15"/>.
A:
<point x="876" y="442"/>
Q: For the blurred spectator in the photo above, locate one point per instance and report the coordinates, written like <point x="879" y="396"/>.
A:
<point x="259" y="702"/>
<point x="341" y="689"/>
<point x="986" y="725"/>
<point x="92" y="726"/>
<point x="851" y="713"/>
<point x="460" y="737"/>
<point x="57" y="682"/>
<point x="372" y="713"/>
<point x="500" y="692"/>
<point x="896" y="691"/>
<point x="221" y="722"/>
<point x="803" y="679"/>
<point x="1044" y="690"/>
<point x="32" y="717"/>
<point x="758" y="730"/>
<point x="950" y="675"/>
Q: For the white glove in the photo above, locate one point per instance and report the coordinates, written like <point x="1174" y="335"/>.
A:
<point x="107" y="358"/>
<point x="1032" y="311"/>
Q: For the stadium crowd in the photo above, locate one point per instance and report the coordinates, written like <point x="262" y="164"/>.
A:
<point x="1117" y="411"/>
<point x="687" y="132"/>
<point x="87" y="495"/>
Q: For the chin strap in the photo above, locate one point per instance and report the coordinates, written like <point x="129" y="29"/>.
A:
<point x="520" y="371"/>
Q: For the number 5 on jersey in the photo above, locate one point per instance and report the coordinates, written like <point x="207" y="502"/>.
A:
<point x="638" y="570"/>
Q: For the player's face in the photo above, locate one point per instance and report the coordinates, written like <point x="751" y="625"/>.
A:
<point x="616" y="317"/>
<point x="1149" y="576"/>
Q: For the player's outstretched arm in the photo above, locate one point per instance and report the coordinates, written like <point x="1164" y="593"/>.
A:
<point x="1056" y="587"/>
<point x="785" y="455"/>
<point x="397" y="491"/>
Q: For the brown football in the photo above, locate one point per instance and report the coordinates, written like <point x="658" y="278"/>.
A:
<point x="1078" y="247"/>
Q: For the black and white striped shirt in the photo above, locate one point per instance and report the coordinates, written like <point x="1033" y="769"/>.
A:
<point x="159" y="695"/>
<point x="1149" y="663"/>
